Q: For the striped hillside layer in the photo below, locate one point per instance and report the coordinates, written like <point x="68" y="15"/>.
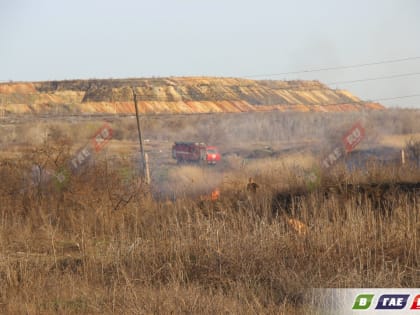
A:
<point x="186" y="95"/>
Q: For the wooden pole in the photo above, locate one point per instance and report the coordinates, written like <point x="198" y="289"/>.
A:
<point x="143" y="159"/>
<point x="402" y="157"/>
<point x="147" y="171"/>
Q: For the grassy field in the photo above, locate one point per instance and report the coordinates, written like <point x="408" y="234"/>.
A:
<point x="101" y="243"/>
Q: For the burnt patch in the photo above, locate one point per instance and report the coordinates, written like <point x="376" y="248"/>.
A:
<point x="382" y="198"/>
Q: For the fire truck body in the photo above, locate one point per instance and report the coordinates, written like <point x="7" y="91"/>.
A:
<point x="194" y="152"/>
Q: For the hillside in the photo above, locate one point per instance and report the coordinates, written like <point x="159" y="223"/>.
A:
<point x="175" y="95"/>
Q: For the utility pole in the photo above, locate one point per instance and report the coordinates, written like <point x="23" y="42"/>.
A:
<point x="144" y="171"/>
<point x="402" y="157"/>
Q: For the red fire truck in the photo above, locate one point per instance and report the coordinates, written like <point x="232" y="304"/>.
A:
<point x="194" y="152"/>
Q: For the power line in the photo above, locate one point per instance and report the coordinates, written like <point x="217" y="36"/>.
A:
<point x="370" y="101"/>
<point x="375" y="79"/>
<point x="389" y="61"/>
<point x="326" y="69"/>
<point x="334" y="68"/>
<point x="396" y="97"/>
<point x="361" y="102"/>
<point x="315" y="86"/>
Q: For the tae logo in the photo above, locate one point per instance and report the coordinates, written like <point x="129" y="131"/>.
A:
<point x="386" y="302"/>
<point x="392" y="301"/>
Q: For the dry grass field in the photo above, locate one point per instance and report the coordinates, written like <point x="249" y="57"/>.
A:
<point x="104" y="243"/>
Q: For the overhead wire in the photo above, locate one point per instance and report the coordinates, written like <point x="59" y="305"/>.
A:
<point x="372" y="100"/>
<point x="321" y="69"/>
<point x="376" y="78"/>
<point x="334" y="67"/>
<point x="316" y="86"/>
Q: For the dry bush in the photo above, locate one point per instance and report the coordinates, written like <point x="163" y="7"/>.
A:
<point x="413" y="150"/>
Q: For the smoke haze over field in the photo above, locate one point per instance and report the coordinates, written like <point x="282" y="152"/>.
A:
<point x="50" y="40"/>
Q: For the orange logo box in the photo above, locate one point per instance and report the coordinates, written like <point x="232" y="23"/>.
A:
<point x="353" y="137"/>
<point x="102" y="137"/>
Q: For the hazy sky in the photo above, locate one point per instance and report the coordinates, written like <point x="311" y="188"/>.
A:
<point x="55" y="40"/>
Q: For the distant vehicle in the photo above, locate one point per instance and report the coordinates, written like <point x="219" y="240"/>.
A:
<point x="194" y="152"/>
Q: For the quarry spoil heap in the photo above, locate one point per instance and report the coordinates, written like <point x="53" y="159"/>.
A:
<point x="173" y="95"/>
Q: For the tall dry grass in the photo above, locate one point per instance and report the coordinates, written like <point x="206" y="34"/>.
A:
<point x="102" y="244"/>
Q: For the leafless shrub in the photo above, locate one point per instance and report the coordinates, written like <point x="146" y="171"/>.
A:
<point x="413" y="150"/>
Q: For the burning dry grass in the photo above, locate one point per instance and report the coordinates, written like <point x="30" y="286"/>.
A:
<point x="95" y="246"/>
